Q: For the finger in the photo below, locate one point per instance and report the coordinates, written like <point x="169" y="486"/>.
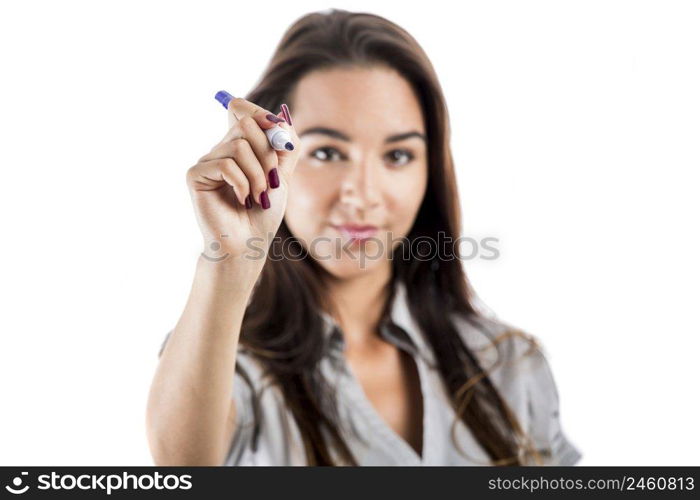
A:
<point x="234" y="132"/>
<point x="238" y="109"/>
<point x="285" y="113"/>
<point x="245" y="158"/>
<point x="266" y="154"/>
<point x="242" y="108"/>
<point x="210" y="175"/>
<point x="251" y="132"/>
<point x="263" y="119"/>
<point x="232" y="118"/>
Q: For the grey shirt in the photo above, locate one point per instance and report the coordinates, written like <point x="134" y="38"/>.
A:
<point x="524" y="380"/>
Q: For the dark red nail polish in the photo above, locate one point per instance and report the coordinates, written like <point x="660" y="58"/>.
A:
<point x="274" y="118"/>
<point x="287" y="115"/>
<point x="264" y="200"/>
<point x="274" y="178"/>
<point x="249" y="202"/>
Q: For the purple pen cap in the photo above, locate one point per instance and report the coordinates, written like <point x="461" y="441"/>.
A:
<point x="223" y="97"/>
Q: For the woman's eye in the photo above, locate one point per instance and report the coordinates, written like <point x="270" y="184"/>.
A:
<point x="399" y="157"/>
<point x="326" y="154"/>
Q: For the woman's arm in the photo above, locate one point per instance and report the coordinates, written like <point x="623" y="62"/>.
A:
<point x="191" y="415"/>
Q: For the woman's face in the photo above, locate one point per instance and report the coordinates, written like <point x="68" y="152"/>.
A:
<point x="362" y="170"/>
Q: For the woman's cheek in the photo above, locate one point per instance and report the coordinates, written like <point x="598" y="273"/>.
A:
<point x="303" y="189"/>
<point x="409" y="190"/>
<point x="310" y="195"/>
<point x="404" y="200"/>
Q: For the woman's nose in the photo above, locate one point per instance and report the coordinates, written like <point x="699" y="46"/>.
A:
<point x="361" y="186"/>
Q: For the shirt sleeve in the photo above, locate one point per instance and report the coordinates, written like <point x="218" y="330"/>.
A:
<point x="545" y="424"/>
<point x="240" y="448"/>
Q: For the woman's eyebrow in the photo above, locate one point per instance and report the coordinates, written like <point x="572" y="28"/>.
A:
<point x="406" y="135"/>
<point x="337" y="134"/>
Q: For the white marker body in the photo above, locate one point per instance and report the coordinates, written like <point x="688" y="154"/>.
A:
<point x="277" y="137"/>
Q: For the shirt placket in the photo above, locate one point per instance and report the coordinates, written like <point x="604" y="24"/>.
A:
<point x="393" y="444"/>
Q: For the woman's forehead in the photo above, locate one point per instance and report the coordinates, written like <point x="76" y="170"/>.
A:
<point x="364" y="100"/>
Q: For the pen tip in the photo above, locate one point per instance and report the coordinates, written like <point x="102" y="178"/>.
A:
<point x="289" y="146"/>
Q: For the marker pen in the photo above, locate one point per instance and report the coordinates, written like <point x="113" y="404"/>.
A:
<point x="278" y="138"/>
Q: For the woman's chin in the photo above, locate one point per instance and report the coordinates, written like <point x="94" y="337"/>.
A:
<point x="351" y="268"/>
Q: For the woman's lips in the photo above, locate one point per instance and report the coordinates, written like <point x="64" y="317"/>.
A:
<point x="356" y="232"/>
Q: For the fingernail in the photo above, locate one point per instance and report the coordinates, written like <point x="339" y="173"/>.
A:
<point x="274" y="178"/>
<point x="249" y="202"/>
<point x="287" y="116"/>
<point x="223" y="97"/>
<point x="274" y="118"/>
<point x="264" y="200"/>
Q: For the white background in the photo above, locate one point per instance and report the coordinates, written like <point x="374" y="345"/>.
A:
<point x="575" y="132"/>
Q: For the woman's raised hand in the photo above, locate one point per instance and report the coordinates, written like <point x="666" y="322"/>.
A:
<point x="239" y="189"/>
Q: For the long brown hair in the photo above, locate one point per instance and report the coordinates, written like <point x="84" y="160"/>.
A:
<point x="285" y="331"/>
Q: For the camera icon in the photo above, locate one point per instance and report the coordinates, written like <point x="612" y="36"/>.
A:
<point x="17" y="483"/>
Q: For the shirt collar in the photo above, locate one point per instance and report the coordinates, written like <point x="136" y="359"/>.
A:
<point x="408" y="335"/>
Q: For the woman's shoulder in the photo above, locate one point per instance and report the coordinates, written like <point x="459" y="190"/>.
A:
<point x="519" y="366"/>
<point x="492" y="339"/>
<point x="508" y="352"/>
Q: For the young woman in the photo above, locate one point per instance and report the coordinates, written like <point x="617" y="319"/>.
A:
<point x="317" y="332"/>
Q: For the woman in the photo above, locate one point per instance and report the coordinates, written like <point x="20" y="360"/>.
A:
<point x="316" y="331"/>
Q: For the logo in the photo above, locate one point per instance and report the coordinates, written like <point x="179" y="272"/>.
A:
<point x="17" y="482"/>
<point x="215" y="246"/>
